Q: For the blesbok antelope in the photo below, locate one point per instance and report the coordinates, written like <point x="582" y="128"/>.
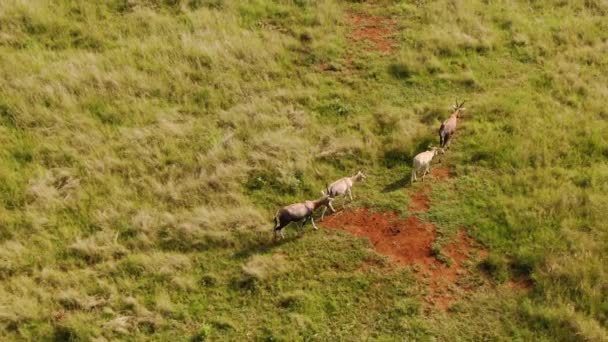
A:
<point x="422" y="162"/>
<point x="341" y="187"/>
<point x="448" y="127"/>
<point x="298" y="212"/>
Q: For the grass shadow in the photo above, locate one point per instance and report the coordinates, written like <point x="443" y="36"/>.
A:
<point x="260" y="245"/>
<point x="396" y="185"/>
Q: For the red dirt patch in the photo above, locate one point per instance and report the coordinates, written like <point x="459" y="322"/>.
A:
<point x="419" y="201"/>
<point x="441" y="173"/>
<point x="370" y="33"/>
<point x="375" y="32"/>
<point x="410" y="241"/>
<point x="405" y="241"/>
<point x="461" y="249"/>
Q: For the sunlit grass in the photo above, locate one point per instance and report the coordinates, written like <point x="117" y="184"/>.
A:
<point x="147" y="144"/>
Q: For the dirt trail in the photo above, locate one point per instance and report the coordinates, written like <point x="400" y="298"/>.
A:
<point x="410" y="241"/>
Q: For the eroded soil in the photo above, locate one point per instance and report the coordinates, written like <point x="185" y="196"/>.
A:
<point x="409" y="242"/>
<point x="374" y="33"/>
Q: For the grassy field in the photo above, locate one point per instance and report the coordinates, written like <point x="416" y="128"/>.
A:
<point x="146" y="144"/>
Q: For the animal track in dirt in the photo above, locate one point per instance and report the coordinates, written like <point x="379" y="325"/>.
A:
<point x="420" y="201"/>
<point x="409" y="242"/>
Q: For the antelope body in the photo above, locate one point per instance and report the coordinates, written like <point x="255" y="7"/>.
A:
<point x="448" y="127"/>
<point x="341" y="187"/>
<point x="422" y="162"/>
<point x="298" y="212"/>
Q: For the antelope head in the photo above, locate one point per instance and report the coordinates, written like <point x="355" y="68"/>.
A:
<point x="360" y="176"/>
<point x="458" y="108"/>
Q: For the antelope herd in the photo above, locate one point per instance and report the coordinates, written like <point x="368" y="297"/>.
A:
<point x="302" y="212"/>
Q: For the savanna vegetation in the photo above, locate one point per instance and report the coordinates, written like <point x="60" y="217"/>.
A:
<point x="146" y="144"/>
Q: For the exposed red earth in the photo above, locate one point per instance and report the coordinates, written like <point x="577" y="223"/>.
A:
<point x="408" y="242"/>
<point x="405" y="241"/>
<point x="419" y="202"/>
<point x="369" y="33"/>
<point x="374" y="32"/>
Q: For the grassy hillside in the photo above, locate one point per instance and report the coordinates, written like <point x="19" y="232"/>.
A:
<point x="146" y="144"/>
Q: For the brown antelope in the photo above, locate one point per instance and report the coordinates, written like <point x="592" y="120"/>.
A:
<point x="448" y="127"/>
<point x="298" y="212"/>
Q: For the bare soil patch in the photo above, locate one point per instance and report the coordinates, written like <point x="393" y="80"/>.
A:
<point x="374" y="32"/>
<point x="368" y="33"/>
<point x="406" y="241"/>
<point x="419" y="202"/>
<point x="441" y="173"/>
<point x="443" y="278"/>
<point x="409" y="242"/>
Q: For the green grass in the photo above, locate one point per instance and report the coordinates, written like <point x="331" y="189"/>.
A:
<point x="145" y="146"/>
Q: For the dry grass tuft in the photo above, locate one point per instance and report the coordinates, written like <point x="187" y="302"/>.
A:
<point x="72" y="299"/>
<point x="263" y="267"/>
<point x="101" y="246"/>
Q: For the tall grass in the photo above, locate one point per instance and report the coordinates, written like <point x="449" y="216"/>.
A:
<point x="146" y="145"/>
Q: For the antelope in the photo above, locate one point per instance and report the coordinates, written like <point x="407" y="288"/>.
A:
<point x="341" y="187"/>
<point x="448" y="127"/>
<point x="298" y="212"/>
<point x="422" y="162"/>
